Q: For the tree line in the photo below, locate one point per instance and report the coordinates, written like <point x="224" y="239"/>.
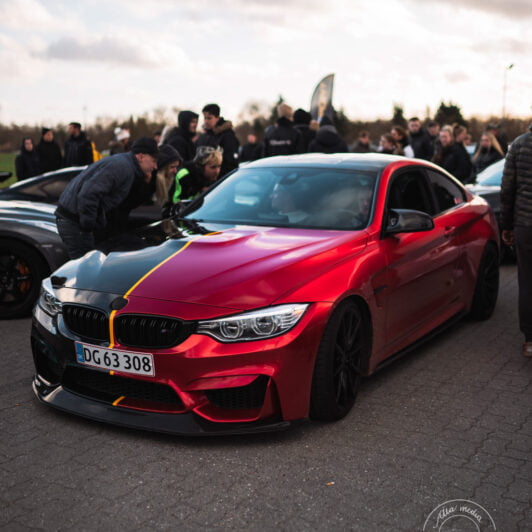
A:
<point x="256" y="118"/>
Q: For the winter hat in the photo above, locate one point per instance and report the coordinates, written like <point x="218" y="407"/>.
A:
<point x="146" y="145"/>
<point x="123" y="134"/>
<point x="45" y="130"/>
<point x="302" y="117"/>
<point x="167" y="154"/>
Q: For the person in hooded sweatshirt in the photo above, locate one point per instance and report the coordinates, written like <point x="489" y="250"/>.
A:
<point x="283" y="138"/>
<point x="327" y="139"/>
<point x="27" y="162"/>
<point x="180" y="137"/>
<point x="49" y="151"/>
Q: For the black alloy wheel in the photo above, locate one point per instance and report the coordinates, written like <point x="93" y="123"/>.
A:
<point x="343" y="351"/>
<point x="487" y="286"/>
<point x="21" y="272"/>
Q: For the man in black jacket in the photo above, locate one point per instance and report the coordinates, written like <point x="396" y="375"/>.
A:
<point x="97" y="192"/>
<point x="516" y="224"/>
<point x="78" y="148"/>
<point x="219" y="133"/>
<point x="302" y="123"/>
<point x="419" y="140"/>
<point x="283" y="138"/>
<point x="180" y="137"/>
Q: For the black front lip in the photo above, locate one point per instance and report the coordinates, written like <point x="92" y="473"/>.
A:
<point x="188" y="424"/>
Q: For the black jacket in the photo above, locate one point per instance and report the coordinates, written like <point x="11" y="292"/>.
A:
<point x="180" y="137"/>
<point x="455" y="160"/>
<point x="282" y="139"/>
<point x="516" y="186"/>
<point x="484" y="158"/>
<point x="78" y="151"/>
<point x="49" y="155"/>
<point x="328" y="141"/>
<point x="100" y="189"/>
<point x="27" y="164"/>
<point x="250" y="152"/>
<point x="222" y="135"/>
<point x="421" y="144"/>
<point x="307" y="134"/>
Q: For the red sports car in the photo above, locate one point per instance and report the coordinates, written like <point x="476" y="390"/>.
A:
<point x="265" y="300"/>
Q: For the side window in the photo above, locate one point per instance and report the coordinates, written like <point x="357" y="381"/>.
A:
<point x="447" y="193"/>
<point x="409" y="191"/>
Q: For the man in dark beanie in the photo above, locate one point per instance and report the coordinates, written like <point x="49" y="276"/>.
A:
<point x="49" y="151"/>
<point x="90" y="201"/>
<point x="301" y="123"/>
<point x="78" y="148"/>
<point x="180" y="137"/>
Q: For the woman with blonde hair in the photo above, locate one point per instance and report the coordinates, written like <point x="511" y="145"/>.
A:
<point x="197" y="175"/>
<point x="488" y="152"/>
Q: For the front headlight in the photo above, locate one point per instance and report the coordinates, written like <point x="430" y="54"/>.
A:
<point x="255" y="325"/>
<point x="48" y="300"/>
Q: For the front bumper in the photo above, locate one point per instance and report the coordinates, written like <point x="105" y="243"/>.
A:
<point x="200" y="386"/>
<point x="187" y="424"/>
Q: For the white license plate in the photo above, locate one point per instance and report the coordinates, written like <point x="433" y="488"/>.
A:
<point x="123" y="361"/>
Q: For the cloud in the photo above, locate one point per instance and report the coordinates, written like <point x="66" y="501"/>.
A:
<point x="504" y="46"/>
<point x="457" y="77"/>
<point x="32" y="16"/>
<point x="517" y="9"/>
<point x="103" y="50"/>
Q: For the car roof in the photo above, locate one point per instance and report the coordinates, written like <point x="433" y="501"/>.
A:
<point x="338" y="160"/>
<point x="36" y="179"/>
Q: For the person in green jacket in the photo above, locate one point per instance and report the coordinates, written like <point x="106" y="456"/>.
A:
<point x="198" y="175"/>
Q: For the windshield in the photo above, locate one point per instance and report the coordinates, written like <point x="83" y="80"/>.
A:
<point x="311" y="198"/>
<point x="492" y="175"/>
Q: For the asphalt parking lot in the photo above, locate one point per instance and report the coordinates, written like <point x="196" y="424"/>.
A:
<point x="452" y="420"/>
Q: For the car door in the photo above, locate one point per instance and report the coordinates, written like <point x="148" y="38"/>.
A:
<point x="420" y="272"/>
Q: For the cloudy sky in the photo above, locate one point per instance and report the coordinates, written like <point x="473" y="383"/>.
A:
<point x="63" y="60"/>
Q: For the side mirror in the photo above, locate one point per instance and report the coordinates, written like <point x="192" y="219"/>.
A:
<point x="407" y="221"/>
<point x="4" y="176"/>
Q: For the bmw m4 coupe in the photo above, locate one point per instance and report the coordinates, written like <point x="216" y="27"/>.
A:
<point x="265" y="300"/>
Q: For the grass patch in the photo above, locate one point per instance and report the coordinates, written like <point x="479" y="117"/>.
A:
<point x="7" y="164"/>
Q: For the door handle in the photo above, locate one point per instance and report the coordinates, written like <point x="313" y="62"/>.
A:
<point x="449" y="231"/>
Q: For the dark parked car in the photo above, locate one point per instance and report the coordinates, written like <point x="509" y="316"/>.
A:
<point x="30" y="249"/>
<point x="45" y="188"/>
<point x="488" y="186"/>
<point x="272" y="295"/>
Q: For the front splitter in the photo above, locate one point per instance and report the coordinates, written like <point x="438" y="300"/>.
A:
<point x="187" y="424"/>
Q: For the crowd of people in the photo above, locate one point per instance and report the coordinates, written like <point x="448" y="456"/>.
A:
<point x="179" y="163"/>
<point x="294" y="132"/>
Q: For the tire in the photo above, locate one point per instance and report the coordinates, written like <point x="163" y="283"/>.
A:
<point x="21" y="271"/>
<point x="343" y="351"/>
<point x="487" y="285"/>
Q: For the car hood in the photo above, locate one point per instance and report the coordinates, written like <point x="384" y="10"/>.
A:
<point x="237" y="268"/>
<point x="26" y="209"/>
